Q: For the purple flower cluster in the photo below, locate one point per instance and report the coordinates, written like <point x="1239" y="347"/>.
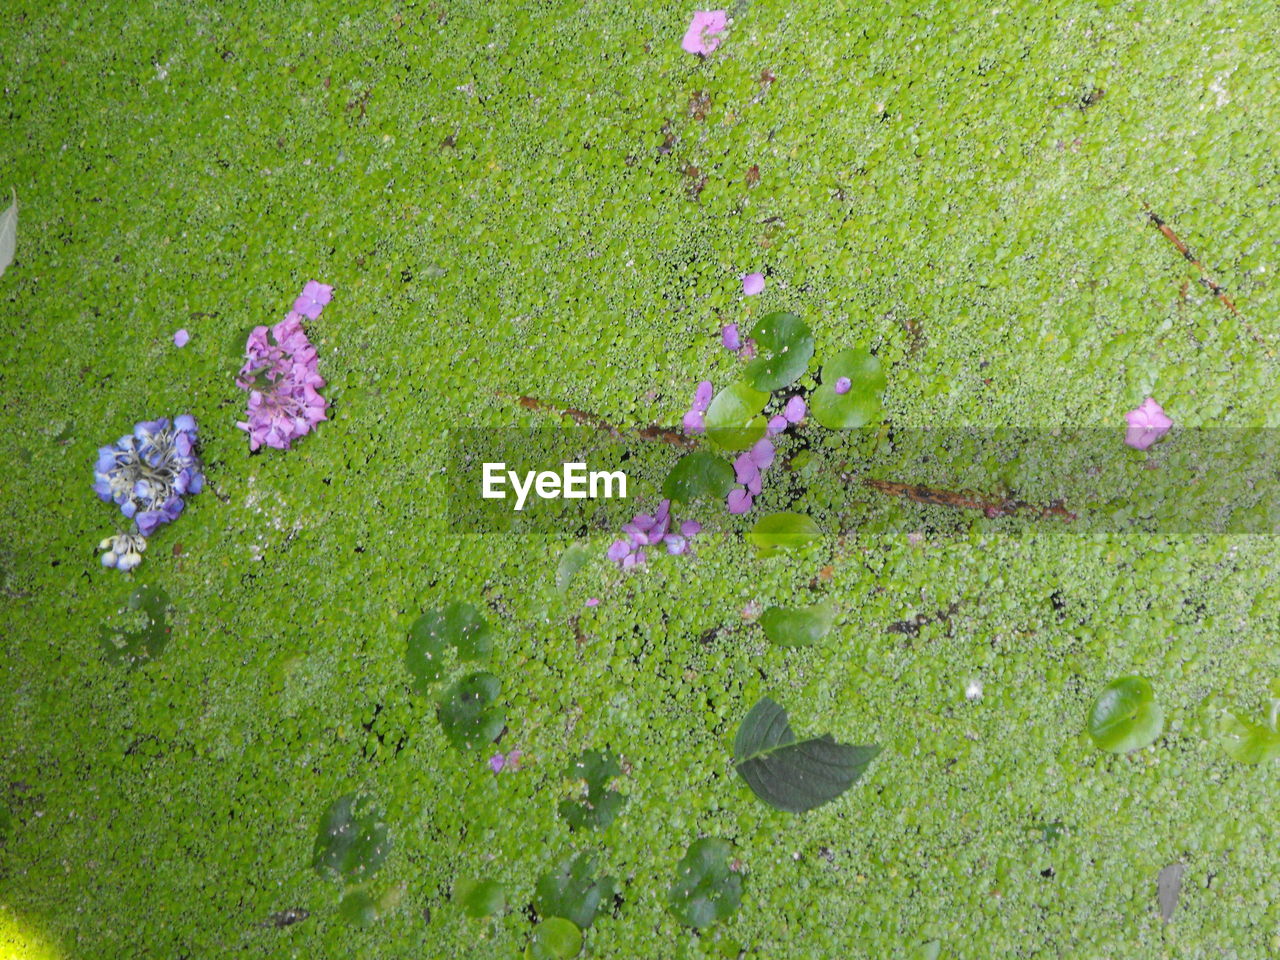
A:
<point x="281" y="377"/>
<point x="146" y="474"/>
<point x="749" y="466"/>
<point x="648" y="530"/>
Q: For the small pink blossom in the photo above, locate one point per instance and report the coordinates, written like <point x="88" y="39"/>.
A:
<point x="752" y="284"/>
<point x="181" y="338"/>
<point x="702" y="35"/>
<point x="314" y="297"/>
<point x="1147" y="424"/>
<point x="730" y="337"/>
<point x="498" y="763"/>
<point x="593" y="601"/>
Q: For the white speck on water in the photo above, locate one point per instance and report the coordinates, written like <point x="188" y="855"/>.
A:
<point x="973" y="690"/>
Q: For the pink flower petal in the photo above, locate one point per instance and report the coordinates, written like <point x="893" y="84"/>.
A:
<point x="739" y="501"/>
<point x="752" y="283"/>
<point x="1147" y="424"/>
<point x="730" y="338"/>
<point x="795" y="410"/>
<point x="701" y="37"/>
<point x="181" y="337"/>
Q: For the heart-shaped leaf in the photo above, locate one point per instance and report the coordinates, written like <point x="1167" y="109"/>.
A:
<point x="1125" y="716"/>
<point x="468" y="714"/>
<point x="555" y="938"/>
<point x="785" y="346"/>
<point x="481" y="898"/>
<point x="706" y="889"/>
<point x="459" y="625"/>
<point x="733" y="420"/>
<point x="697" y="475"/>
<point x="570" y="891"/>
<point x="1243" y="740"/>
<point x="782" y="531"/>
<point x="352" y="840"/>
<point x="794" y="775"/>
<point x="858" y="407"/>
<point x="797" y="626"/>
<point x="601" y="804"/>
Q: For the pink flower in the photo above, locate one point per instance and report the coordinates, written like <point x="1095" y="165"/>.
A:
<point x="593" y="601"/>
<point x="283" y="385"/>
<point x="730" y="337"/>
<point x="313" y="298"/>
<point x="701" y="37"/>
<point x="1147" y="424"/>
<point x="752" y="283"/>
<point x="181" y="337"/>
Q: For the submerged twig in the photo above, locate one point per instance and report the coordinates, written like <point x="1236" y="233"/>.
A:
<point x="1206" y="279"/>
<point x="585" y="419"/>
<point x="968" y="500"/>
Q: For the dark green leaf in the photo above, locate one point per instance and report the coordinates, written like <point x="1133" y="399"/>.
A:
<point x="797" y="626"/>
<point x="570" y="891"/>
<point x="785" y="347"/>
<point x="733" y="420"/>
<point x="699" y="474"/>
<point x="794" y="775"/>
<point x="459" y="625"/>
<point x="132" y="649"/>
<point x="358" y="908"/>
<point x="1125" y="716"/>
<point x="601" y="804"/>
<point x="706" y="889"/>
<point x="352" y="840"/>
<point x="468" y="714"/>
<point x="861" y="405"/>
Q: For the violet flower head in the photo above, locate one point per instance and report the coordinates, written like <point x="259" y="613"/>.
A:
<point x="702" y="37"/>
<point x="146" y="474"/>
<point x="1147" y="424"/>
<point x="313" y="299"/>
<point x="650" y="530"/>
<point x="752" y="284"/>
<point x="283" y="384"/>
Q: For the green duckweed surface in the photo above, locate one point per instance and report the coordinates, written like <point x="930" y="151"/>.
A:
<point x="556" y="200"/>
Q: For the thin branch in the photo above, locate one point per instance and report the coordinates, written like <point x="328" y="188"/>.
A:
<point x="1205" y="279"/>
<point x="586" y="419"/>
<point x="968" y="500"/>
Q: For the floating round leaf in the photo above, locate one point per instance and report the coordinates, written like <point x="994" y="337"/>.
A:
<point x="733" y="420"/>
<point x="481" y="898"/>
<point x="598" y="809"/>
<point x="1125" y="716"/>
<point x="782" y="531"/>
<point x="785" y="346"/>
<point x="459" y="625"/>
<point x="860" y="404"/>
<point x="358" y="908"/>
<point x="352" y="840"/>
<point x="797" y="626"/>
<point x="706" y="889"/>
<point x="468" y="714"/>
<point x="698" y="474"/>
<point x="555" y="938"/>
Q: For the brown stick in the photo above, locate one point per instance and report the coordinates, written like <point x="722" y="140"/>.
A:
<point x="1205" y="279"/>
<point x="585" y="419"/>
<point x="967" y="500"/>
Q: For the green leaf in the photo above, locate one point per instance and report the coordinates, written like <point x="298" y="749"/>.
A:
<point x="601" y="805"/>
<point x="571" y="561"/>
<point x="570" y="891"/>
<point x="929" y="950"/>
<point x="132" y="649"/>
<point x="1245" y="741"/>
<point x="358" y="908"/>
<point x="468" y="714"/>
<point x="782" y="531"/>
<point x="733" y="420"/>
<point x="697" y="475"/>
<point x="1125" y="716"/>
<point x="785" y="346"/>
<point x="706" y="889"/>
<point x="352" y="840"/>
<point x="481" y="898"/>
<point x="794" y="775"/>
<point x="861" y="405"/>
<point x="555" y="938"/>
<point x="8" y="234"/>
<point x="799" y="626"/>
<point x="459" y="625"/>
